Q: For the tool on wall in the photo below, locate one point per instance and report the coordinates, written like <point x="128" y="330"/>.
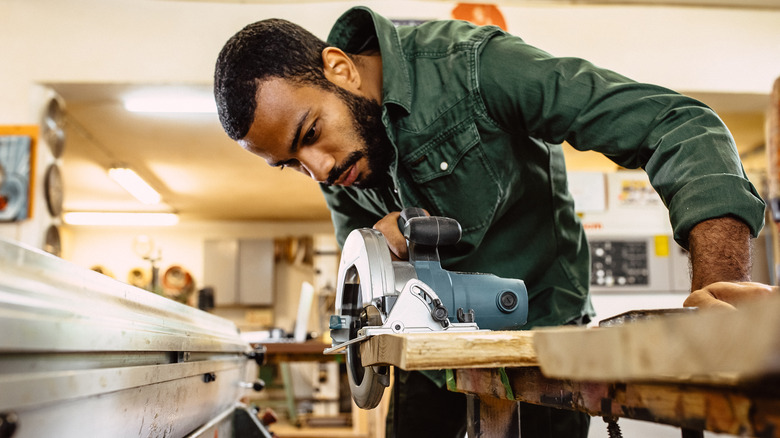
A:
<point x="144" y="247"/>
<point x="376" y="295"/>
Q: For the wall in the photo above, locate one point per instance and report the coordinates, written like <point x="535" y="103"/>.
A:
<point x="182" y="245"/>
<point x="113" y="249"/>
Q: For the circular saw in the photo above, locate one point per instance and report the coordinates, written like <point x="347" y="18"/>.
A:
<point x="376" y="295"/>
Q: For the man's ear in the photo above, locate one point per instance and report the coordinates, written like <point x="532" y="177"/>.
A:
<point x="340" y="69"/>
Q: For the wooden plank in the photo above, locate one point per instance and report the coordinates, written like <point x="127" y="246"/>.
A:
<point x="721" y="409"/>
<point x="490" y="417"/>
<point x="431" y="351"/>
<point x="706" y="346"/>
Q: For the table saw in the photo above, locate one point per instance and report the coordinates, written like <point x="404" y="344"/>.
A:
<point x="82" y="354"/>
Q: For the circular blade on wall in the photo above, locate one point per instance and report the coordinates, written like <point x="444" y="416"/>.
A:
<point x="52" y="243"/>
<point x="53" y="126"/>
<point x="53" y="189"/>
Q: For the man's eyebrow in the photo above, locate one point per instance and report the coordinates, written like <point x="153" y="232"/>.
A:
<point x="294" y="144"/>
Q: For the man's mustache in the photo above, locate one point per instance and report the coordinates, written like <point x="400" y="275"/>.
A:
<point x="337" y="171"/>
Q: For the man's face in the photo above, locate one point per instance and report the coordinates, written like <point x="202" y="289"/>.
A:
<point x="335" y="137"/>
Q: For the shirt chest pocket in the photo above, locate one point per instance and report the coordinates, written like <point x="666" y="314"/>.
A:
<point x="455" y="177"/>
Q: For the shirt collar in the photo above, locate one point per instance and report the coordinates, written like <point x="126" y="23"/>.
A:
<point x="359" y="24"/>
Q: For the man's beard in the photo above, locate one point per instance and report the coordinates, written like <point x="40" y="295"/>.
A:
<point x="378" y="151"/>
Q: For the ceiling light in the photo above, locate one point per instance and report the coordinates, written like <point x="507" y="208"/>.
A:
<point x="171" y="103"/>
<point x="130" y="181"/>
<point x="120" y="219"/>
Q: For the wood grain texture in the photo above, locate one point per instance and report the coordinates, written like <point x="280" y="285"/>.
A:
<point x="703" y="347"/>
<point x="491" y="417"/>
<point x="746" y="411"/>
<point x="720" y="347"/>
<point x="431" y="351"/>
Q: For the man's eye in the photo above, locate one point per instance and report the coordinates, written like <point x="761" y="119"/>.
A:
<point x="311" y="134"/>
<point x="290" y="163"/>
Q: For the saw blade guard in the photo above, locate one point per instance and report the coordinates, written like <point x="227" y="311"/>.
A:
<point x="365" y="277"/>
<point x="365" y="274"/>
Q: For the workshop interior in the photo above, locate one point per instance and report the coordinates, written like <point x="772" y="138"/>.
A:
<point x="157" y="280"/>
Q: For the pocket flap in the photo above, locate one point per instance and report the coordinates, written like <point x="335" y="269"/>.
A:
<point x="441" y="155"/>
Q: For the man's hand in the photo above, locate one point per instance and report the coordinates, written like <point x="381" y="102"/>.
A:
<point x="388" y="225"/>
<point x="728" y="295"/>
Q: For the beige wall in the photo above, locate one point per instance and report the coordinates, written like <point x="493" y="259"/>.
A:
<point x="183" y="245"/>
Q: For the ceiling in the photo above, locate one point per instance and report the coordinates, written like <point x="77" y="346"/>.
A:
<point x="762" y="4"/>
<point x="771" y="4"/>
<point x="200" y="172"/>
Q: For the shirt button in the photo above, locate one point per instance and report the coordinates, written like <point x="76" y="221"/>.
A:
<point x="444" y="165"/>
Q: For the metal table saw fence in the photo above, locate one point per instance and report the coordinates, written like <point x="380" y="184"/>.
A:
<point x="82" y="354"/>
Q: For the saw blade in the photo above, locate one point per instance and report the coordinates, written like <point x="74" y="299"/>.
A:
<point x="365" y="273"/>
<point x="366" y="383"/>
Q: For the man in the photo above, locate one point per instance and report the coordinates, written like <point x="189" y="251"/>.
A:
<point x="466" y="122"/>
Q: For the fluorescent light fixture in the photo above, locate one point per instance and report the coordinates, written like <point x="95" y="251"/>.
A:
<point x="130" y="181"/>
<point x="120" y="219"/>
<point x="171" y="103"/>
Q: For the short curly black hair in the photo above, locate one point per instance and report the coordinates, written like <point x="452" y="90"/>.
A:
<point x="263" y="50"/>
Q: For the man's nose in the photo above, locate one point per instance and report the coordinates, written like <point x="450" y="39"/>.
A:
<point x="316" y="164"/>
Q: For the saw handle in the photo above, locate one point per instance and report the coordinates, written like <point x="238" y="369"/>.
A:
<point x="417" y="227"/>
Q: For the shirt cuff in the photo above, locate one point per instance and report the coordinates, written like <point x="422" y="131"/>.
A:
<point x="714" y="196"/>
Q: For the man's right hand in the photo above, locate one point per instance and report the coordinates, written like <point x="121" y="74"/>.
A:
<point x="388" y="226"/>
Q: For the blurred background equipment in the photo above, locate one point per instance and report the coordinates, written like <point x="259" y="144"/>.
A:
<point x="177" y="284"/>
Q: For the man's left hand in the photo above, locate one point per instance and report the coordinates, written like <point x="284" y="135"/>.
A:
<point x="729" y="295"/>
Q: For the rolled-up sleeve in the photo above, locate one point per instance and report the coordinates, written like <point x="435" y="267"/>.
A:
<point x="684" y="147"/>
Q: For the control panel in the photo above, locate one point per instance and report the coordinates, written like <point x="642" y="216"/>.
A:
<point x="641" y="264"/>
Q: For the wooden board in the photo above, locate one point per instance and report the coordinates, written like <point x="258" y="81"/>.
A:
<point x="430" y="351"/>
<point x="309" y="351"/>
<point x="702" y="347"/>
<point x="720" y="347"/>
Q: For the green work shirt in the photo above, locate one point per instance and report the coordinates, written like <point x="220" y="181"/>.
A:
<point x="477" y="118"/>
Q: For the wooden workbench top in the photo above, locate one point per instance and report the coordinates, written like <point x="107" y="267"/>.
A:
<point x="715" y="371"/>
<point x="431" y="351"/>
<point x="708" y="346"/>
<point x="702" y="346"/>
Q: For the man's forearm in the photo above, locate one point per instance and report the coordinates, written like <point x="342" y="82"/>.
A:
<point x="720" y="250"/>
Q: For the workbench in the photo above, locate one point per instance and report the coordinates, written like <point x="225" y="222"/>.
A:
<point x="716" y="371"/>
